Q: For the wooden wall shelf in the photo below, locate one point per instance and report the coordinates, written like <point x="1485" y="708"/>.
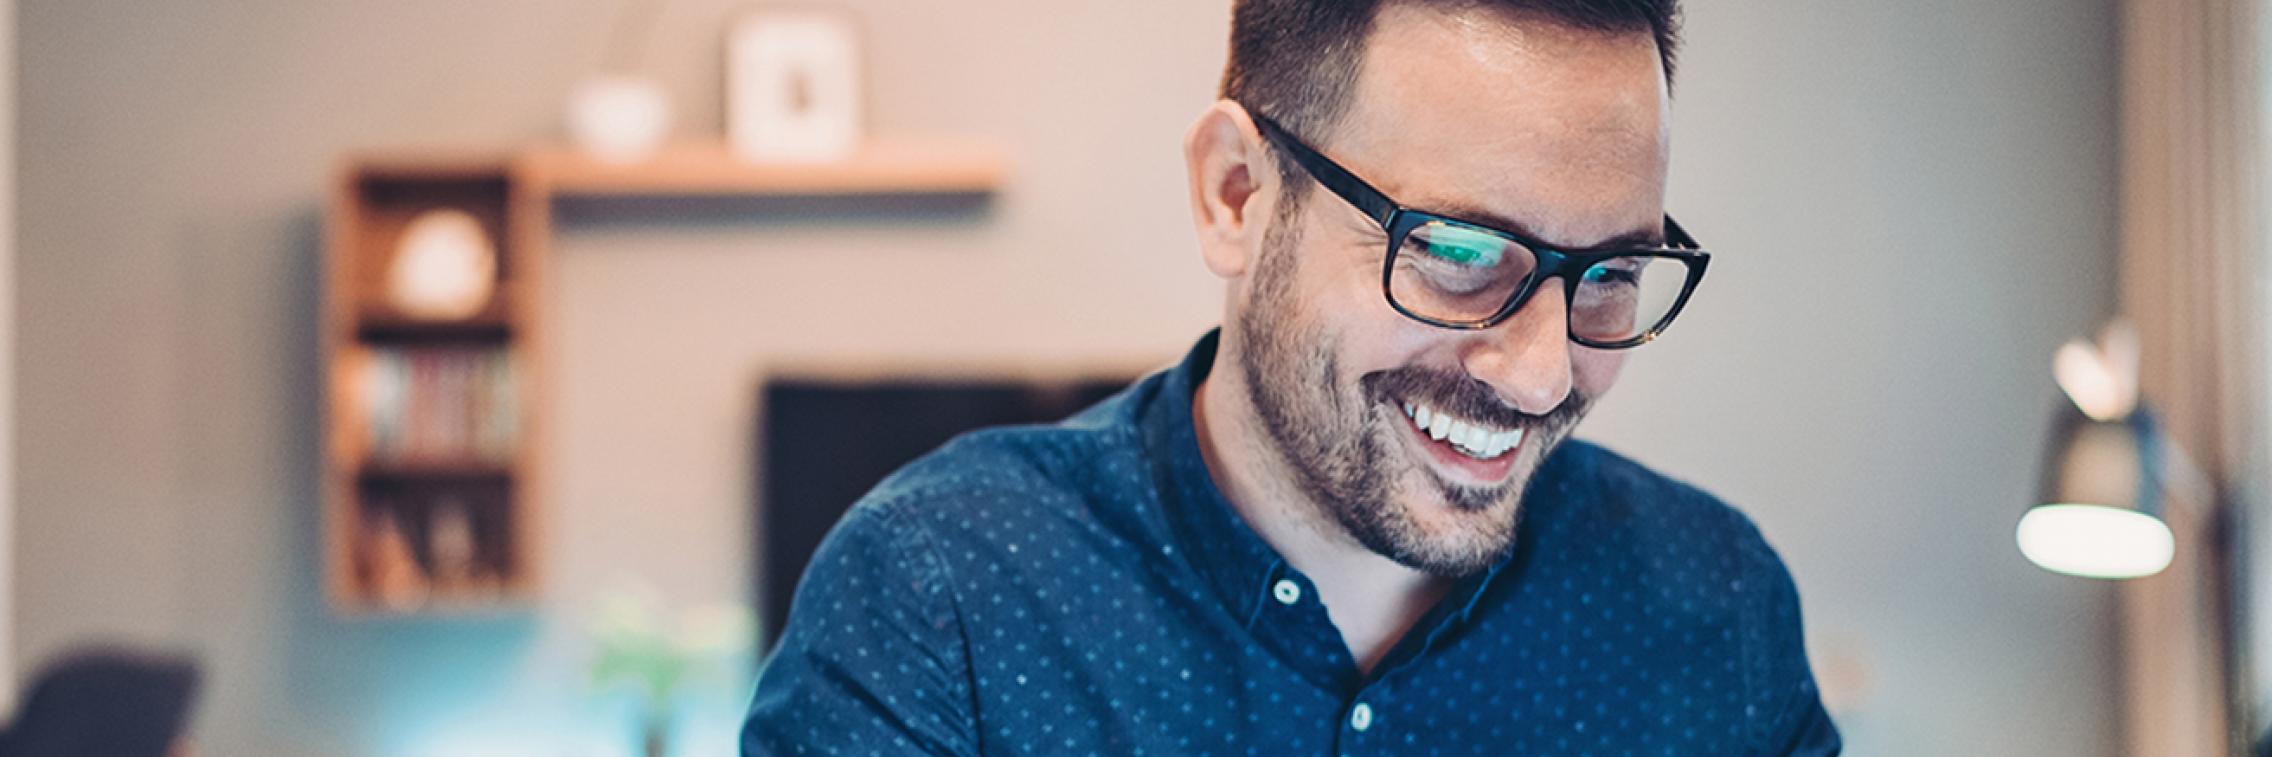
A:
<point x="883" y="167"/>
<point x="433" y="485"/>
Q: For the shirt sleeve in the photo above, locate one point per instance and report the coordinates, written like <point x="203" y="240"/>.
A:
<point x="1799" y="725"/>
<point x="1809" y="732"/>
<point x="872" y="660"/>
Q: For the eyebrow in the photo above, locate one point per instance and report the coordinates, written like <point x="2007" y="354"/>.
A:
<point x="1653" y="236"/>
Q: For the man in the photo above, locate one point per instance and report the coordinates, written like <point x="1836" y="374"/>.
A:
<point x="1348" y="523"/>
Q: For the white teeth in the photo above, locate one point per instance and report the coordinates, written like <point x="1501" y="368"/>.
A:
<point x="1507" y="440"/>
<point x="1470" y="439"/>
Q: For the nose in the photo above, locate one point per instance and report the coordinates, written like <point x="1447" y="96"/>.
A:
<point x="1526" y="358"/>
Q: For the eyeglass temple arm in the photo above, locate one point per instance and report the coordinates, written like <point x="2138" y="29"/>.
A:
<point x="1343" y="183"/>
<point x="1372" y="201"/>
<point x="1677" y="237"/>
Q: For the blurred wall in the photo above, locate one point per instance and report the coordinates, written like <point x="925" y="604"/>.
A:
<point x="1912" y="204"/>
<point x="1915" y="204"/>
<point x="7" y="350"/>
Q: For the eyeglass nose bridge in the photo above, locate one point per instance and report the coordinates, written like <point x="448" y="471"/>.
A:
<point x="1550" y="264"/>
<point x="1572" y="270"/>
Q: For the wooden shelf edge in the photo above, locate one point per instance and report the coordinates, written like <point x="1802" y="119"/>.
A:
<point x="884" y="166"/>
<point x="427" y="164"/>
<point x="449" y="471"/>
<point x="390" y="332"/>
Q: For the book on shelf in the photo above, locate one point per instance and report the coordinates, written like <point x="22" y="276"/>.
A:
<point x="442" y="406"/>
<point x="421" y="547"/>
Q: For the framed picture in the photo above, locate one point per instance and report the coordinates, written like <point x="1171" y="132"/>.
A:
<point x="793" y="86"/>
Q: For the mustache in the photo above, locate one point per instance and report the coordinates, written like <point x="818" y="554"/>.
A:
<point x="1468" y="398"/>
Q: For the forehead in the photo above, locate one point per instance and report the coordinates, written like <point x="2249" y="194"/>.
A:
<point x="1511" y="117"/>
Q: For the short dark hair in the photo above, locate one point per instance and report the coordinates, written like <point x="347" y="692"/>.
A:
<point x="1296" y="60"/>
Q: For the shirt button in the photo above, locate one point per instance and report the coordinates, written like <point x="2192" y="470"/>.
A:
<point x="1287" y="591"/>
<point x="1361" y="716"/>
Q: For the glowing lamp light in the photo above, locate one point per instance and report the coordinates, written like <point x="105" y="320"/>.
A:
<point x="2094" y="541"/>
<point x="2102" y="481"/>
<point x="2101" y="379"/>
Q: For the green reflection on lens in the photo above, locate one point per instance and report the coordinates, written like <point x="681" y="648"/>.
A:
<point x="1465" y="246"/>
<point x="1613" y="273"/>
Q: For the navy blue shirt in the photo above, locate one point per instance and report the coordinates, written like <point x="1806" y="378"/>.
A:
<point x="1084" y="588"/>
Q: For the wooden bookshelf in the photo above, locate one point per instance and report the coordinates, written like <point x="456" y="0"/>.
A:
<point x="433" y="466"/>
<point x="416" y="519"/>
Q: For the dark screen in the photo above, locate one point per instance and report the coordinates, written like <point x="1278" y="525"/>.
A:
<point x="821" y="445"/>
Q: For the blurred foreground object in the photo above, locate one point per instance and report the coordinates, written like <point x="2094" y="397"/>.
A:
<point x="636" y="650"/>
<point x="105" y="703"/>
<point x="2100" y="512"/>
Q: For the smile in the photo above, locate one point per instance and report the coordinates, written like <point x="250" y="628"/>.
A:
<point x="1470" y="438"/>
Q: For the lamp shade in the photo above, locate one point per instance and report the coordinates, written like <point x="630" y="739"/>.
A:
<point x="2100" y="511"/>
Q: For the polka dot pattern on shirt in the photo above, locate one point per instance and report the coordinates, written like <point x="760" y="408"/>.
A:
<point x="1083" y="589"/>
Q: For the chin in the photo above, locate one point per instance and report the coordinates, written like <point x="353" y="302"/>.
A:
<point x="1440" y="535"/>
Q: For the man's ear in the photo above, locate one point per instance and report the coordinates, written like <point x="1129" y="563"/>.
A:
<point x="1230" y="195"/>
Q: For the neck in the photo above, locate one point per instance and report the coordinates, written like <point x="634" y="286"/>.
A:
<point x="1371" y="599"/>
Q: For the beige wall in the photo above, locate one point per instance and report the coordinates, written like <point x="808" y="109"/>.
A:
<point x="1912" y="203"/>
<point x="7" y="352"/>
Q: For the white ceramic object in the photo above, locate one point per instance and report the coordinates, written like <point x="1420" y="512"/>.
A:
<point x="793" y="87"/>
<point x="619" y="119"/>
<point x="445" y="267"/>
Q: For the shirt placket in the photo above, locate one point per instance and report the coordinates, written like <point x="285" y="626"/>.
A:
<point x="1369" y="722"/>
<point x="1293" y="622"/>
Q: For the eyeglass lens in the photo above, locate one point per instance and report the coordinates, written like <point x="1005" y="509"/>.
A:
<point x="1459" y="274"/>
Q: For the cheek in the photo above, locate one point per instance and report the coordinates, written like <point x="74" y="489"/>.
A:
<point x="1593" y="371"/>
<point x="1370" y="336"/>
<point x="1348" y="287"/>
<point x="1338" y="297"/>
<point x="1344" y="301"/>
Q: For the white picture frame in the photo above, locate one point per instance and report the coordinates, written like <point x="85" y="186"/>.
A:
<point x="793" y="86"/>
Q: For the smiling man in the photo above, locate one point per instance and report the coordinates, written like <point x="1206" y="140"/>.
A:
<point x="1348" y="522"/>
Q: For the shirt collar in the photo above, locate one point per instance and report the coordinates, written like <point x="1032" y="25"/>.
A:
<point x="1232" y="558"/>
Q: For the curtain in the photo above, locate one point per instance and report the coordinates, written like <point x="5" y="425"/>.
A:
<point x="2191" y="261"/>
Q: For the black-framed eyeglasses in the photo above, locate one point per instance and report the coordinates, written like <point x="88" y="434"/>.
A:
<point x="1459" y="274"/>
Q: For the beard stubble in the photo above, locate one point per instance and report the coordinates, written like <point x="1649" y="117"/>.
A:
<point x="1338" y="440"/>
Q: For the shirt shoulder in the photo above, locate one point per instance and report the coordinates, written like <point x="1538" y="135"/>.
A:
<point x="1701" y="566"/>
<point x="1610" y="495"/>
<point x="1690" y="559"/>
<point x="997" y="484"/>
